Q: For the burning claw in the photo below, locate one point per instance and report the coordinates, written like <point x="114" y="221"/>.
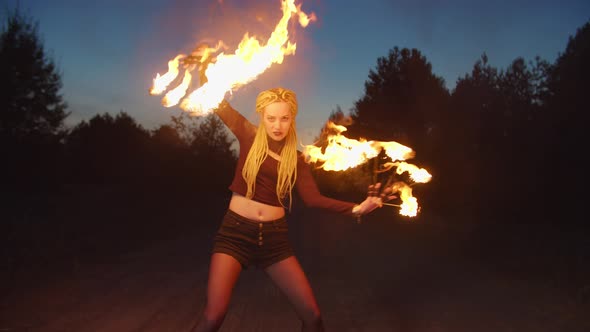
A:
<point x="385" y="195"/>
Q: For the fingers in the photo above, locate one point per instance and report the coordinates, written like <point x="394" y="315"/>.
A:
<point x="387" y="194"/>
<point x="376" y="197"/>
<point x="373" y="191"/>
<point x="389" y="198"/>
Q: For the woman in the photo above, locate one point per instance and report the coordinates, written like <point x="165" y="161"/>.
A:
<point x="254" y="229"/>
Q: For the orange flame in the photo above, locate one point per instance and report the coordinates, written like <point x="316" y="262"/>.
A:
<point x="162" y="82"/>
<point x="342" y="153"/>
<point x="419" y="175"/>
<point x="409" y="206"/>
<point x="227" y="72"/>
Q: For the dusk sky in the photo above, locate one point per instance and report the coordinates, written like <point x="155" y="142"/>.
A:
<point x="109" y="51"/>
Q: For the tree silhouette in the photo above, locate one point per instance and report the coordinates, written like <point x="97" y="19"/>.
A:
<point x="403" y="100"/>
<point x="31" y="126"/>
<point x="494" y="126"/>
<point x="522" y="89"/>
<point x="31" y="117"/>
<point x="211" y="148"/>
<point x="568" y="84"/>
<point x="569" y="79"/>
<point x="30" y="101"/>
<point x="209" y="159"/>
<point x="566" y="124"/>
<point x="108" y="149"/>
<point x="210" y="138"/>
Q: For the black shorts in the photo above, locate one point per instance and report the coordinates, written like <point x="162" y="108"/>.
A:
<point x="253" y="243"/>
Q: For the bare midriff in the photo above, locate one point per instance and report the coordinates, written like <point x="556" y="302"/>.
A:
<point x="255" y="210"/>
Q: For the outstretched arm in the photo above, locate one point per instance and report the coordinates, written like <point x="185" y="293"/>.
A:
<point x="311" y="196"/>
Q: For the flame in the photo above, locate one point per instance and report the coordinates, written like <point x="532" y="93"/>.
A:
<point x="409" y="206"/>
<point x="227" y="72"/>
<point x="162" y="82"/>
<point x="304" y="19"/>
<point x="419" y="175"/>
<point x="342" y="153"/>
<point x="173" y="96"/>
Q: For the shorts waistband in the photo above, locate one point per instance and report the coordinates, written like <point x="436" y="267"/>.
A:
<point x="252" y="222"/>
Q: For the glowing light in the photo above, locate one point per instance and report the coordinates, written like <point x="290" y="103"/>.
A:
<point x="227" y="72"/>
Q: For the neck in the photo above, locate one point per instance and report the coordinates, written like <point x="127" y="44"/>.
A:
<point x="276" y="146"/>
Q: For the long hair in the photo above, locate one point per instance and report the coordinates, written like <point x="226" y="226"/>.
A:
<point x="287" y="172"/>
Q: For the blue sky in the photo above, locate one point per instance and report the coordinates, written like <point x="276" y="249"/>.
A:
<point x="109" y="51"/>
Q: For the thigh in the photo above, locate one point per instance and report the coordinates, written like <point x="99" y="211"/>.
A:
<point x="290" y="278"/>
<point x="224" y="271"/>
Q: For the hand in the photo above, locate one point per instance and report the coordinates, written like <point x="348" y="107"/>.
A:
<point x="375" y="199"/>
<point x="385" y="195"/>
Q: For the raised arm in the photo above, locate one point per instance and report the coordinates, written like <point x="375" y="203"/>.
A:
<point x="235" y="121"/>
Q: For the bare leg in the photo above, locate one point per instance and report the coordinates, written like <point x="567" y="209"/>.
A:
<point x="223" y="274"/>
<point x="291" y="280"/>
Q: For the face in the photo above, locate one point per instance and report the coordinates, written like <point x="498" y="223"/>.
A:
<point x="277" y="120"/>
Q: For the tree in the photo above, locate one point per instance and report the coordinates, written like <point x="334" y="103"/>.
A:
<point x="522" y="89"/>
<point x="468" y="125"/>
<point x="205" y="135"/>
<point x="494" y="126"/>
<point x="210" y="156"/>
<point x="214" y="158"/>
<point x="568" y="82"/>
<point x="108" y="149"/>
<point x="30" y="101"/>
<point x="211" y="139"/>
<point x="568" y="85"/>
<point x="566" y="125"/>
<point x="31" y="117"/>
<point x="403" y="100"/>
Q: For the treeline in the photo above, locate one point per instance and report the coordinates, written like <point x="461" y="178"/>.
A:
<point x="505" y="145"/>
<point x="186" y="158"/>
<point x="41" y="156"/>
<point x="103" y="186"/>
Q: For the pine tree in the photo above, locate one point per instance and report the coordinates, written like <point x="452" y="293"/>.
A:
<point x="30" y="102"/>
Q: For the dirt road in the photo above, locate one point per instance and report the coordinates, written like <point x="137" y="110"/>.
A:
<point x="376" y="276"/>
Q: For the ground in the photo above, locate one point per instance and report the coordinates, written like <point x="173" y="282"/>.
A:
<point x="385" y="274"/>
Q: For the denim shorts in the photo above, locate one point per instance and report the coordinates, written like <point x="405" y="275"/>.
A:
<point x="260" y="244"/>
